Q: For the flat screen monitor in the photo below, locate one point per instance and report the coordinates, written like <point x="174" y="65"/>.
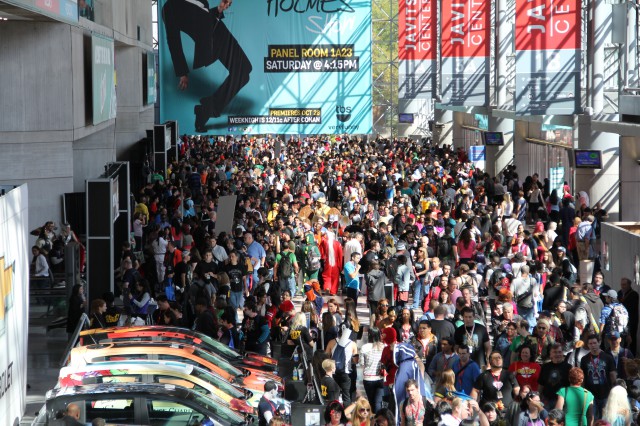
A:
<point x="405" y="118"/>
<point x="493" y="138"/>
<point x="588" y="159"/>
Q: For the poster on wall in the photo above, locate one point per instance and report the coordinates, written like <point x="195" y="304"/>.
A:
<point x="548" y="49"/>
<point x="417" y="46"/>
<point x="14" y="303"/>
<point x="466" y="35"/>
<point x="478" y="156"/>
<point x="103" y="79"/>
<point x="266" y="66"/>
<point x="151" y="78"/>
<point x="556" y="179"/>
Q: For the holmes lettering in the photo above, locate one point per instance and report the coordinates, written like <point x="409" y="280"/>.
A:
<point x="302" y="6"/>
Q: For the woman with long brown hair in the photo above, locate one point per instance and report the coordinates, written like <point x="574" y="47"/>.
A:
<point x="380" y="313"/>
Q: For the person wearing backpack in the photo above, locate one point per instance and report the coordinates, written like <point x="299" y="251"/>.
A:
<point x="523" y="289"/>
<point x="614" y="317"/>
<point x="311" y="258"/>
<point x="569" y="271"/>
<point x="286" y="268"/>
<point x="342" y="349"/>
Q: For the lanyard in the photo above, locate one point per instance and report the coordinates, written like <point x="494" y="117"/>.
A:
<point x="470" y="335"/>
<point x="446" y="361"/>
<point x="540" y="345"/>
<point x="415" y="412"/>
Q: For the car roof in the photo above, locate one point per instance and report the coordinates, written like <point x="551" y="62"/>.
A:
<point x="142" y="348"/>
<point x="163" y="367"/>
<point x="226" y="351"/>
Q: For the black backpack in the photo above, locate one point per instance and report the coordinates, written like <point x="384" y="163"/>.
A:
<point x="340" y="357"/>
<point x="285" y="266"/>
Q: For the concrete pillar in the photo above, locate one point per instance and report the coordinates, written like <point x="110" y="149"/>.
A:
<point x="521" y="149"/>
<point x="457" y="132"/>
<point x="504" y="47"/>
<point x="629" y="179"/>
<point x="444" y="134"/>
<point x="600" y="34"/>
<point x="602" y="185"/>
<point x="498" y="157"/>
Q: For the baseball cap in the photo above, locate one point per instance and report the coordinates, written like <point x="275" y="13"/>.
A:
<point x="612" y="294"/>
<point x="401" y="246"/>
<point x="614" y="335"/>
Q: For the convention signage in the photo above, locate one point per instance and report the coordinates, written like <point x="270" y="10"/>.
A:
<point x="466" y="39"/>
<point x="267" y="66"/>
<point x="102" y="79"/>
<point x="417" y="46"/>
<point x="547" y="57"/>
<point x="14" y="303"/>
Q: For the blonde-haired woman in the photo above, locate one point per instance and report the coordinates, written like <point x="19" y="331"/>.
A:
<point x="507" y="205"/>
<point x="617" y="411"/>
<point x="445" y="386"/>
<point x="359" y="413"/>
<point x="299" y="334"/>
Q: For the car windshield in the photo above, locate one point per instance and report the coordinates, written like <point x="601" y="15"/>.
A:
<point x="224" y="350"/>
<point x="220" y="362"/>
<point x="225" y="413"/>
<point x="219" y="382"/>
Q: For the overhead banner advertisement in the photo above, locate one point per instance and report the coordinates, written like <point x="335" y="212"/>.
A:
<point x="547" y="57"/>
<point x="102" y="79"/>
<point x="14" y="303"/>
<point x="417" y="45"/>
<point x="466" y="31"/>
<point x="266" y="66"/>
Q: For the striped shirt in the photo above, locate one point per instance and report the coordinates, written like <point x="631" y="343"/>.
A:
<point x="370" y="360"/>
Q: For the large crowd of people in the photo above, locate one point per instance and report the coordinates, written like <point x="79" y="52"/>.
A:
<point x="476" y="309"/>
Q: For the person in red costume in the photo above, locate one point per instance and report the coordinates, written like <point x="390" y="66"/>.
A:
<point x="331" y="254"/>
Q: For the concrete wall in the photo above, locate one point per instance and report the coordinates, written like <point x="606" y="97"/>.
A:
<point x="629" y="178"/>
<point x="35" y="76"/>
<point x="623" y="246"/>
<point x="47" y="139"/>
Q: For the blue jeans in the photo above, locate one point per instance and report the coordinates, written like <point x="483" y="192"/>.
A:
<point x="417" y="293"/>
<point x="236" y="300"/>
<point x="375" y="392"/>
<point x="289" y="284"/>
<point x="529" y="315"/>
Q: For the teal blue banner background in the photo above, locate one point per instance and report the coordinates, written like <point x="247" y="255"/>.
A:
<point x="331" y="84"/>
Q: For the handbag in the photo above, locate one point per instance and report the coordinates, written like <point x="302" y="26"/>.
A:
<point x="526" y="299"/>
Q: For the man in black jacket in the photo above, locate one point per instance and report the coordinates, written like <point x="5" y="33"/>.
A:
<point x="213" y="41"/>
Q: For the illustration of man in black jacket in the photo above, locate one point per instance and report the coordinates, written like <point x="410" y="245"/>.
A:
<point x="213" y="41"/>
